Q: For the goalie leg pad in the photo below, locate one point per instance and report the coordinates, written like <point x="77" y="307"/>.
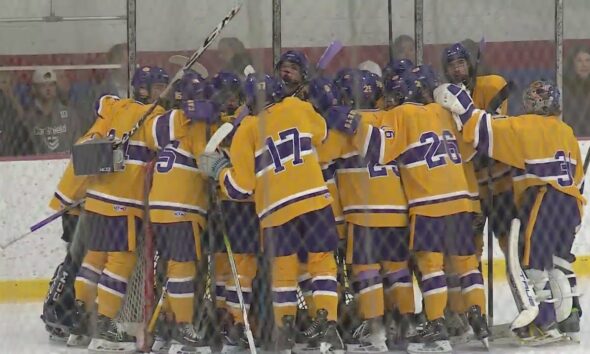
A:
<point x="60" y="299"/>
<point x="563" y="287"/>
<point x="540" y="282"/>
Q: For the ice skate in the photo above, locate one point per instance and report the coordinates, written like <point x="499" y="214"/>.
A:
<point x="479" y="324"/>
<point x="571" y="326"/>
<point x="79" y="333"/>
<point x="533" y="335"/>
<point x="111" y="338"/>
<point x="57" y="335"/>
<point x="283" y="338"/>
<point x="186" y="339"/>
<point x="162" y="336"/>
<point x="235" y="339"/>
<point x="369" y="337"/>
<point x="322" y="335"/>
<point x="458" y="328"/>
<point x="433" y="338"/>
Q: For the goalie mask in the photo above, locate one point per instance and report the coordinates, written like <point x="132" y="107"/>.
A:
<point x="148" y="82"/>
<point x="541" y="97"/>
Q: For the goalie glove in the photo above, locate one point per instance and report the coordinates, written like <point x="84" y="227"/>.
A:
<point x="343" y="119"/>
<point x="211" y="164"/>
<point x="457" y="100"/>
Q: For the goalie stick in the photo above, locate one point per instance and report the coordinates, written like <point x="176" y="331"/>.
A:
<point x="190" y="62"/>
<point x="226" y="128"/>
<point x="44" y="222"/>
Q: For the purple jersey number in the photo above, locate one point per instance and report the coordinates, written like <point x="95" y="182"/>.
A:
<point x="275" y="153"/>
<point x="166" y="158"/>
<point x="435" y="158"/>
<point x="566" y="168"/>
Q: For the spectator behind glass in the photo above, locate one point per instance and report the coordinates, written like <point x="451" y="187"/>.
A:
<point x="53" y="125"/>
<point x="404" y="47"/>
<point x="233" y="55"/>
<point x="576" y="91"/>
<point x="14" y="136"/>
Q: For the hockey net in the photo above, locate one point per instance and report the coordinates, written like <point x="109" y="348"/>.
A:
<point x="520" y="41"/>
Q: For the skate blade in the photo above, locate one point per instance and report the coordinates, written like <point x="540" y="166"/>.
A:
<point x="326" y="348"/>
<point x="160" y="347"/>
<point x="177" y="348"/>
<point x="371" y="348"/>
<point x="574" y="337"/>
<point x="439" y="346"/>
<point x="58" y="339"/>
<point x="462" y="339"/>
<point x="100" y="346"/>
<point x="75" y="340"/>
<point x="233" y="349"/>
<point x="543" y="341"/>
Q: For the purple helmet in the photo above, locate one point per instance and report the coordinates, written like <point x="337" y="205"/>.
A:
<point x="144" y="77"/>
<point x="427" y="78"/>
<point x="322" y="94"/>
<point x="402" y="88"/>
<point x="271" y="88"/>
<point x="183" y="84"/>
<point x="454" y="52"/>
<point x="295" y="57"/>
<point x="396" y="67"/>
<point x="190" y="95"/>
<point x="358" y="88"/>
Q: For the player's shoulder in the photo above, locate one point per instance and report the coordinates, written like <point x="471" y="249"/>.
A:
<point x="370" y="116"/>
<point x="292" y="102"/>
<point x="490" y="81"/>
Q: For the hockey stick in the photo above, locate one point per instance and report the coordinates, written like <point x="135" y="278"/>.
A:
<point x="500" y="97"/>
<point x="44" y="222"/>
<point x="226" y="128"/>
<point x="190" y="62"/>
<point x="181" y="60"/>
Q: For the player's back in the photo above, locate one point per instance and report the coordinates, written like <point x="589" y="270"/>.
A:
<point x="122" y="193"/>
<point x="179" y="191"/>
<point x="431" y="165"/>
<point x="486" y="88"/>
<point x="288" y="176"/>
<point x="371" y="194"/>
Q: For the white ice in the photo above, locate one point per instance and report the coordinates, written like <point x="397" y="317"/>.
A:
<point x="21" y="330"/>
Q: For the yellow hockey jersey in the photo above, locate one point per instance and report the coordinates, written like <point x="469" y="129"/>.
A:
<point x="272" y="156"/>
<point x="431" y="165"/>
<point x="370" y="194"/>
<point x="543" y="150"/>
<point x="122" y="193"/>
<point x="179" y="190"/>
<point x="486" y="88"/>
<point x="70" y="189"/>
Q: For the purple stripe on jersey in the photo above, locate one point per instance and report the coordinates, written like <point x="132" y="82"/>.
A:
<point x="442" y="200"/>
<point x="180" y="287"/>
<point x="113" y="283"/>
<point x="400" y="276"/>
<point x="232" y="296"/>
<point x="361" y="284"/>
<point x="292" y="201"/>
<point x="471" y="279"/>
<point x="61" y="200"/>
<point x="285" y="150"/>
<point x="329" y="171"/>
<point x="185" y="160"/>
<point x="284" y="296"/>
<point x="433" y="283"/>
<point x="367" y="274"/>
<point x="374" y="149"/>
<point x="220" y="290"/>
<point x="163" y="130"/>
<point x="89" y="274"/>
<point x="374" y="211"/>
<point x="549" y="169"/>
<point x="483" y="143"/>
<point x="232" y="192"/>
<point x="418" y="153"/>
<point x="113" y="201"/>
<point x="325" y="285"/>
<point x="175" y="208"/>
<point x="139" y="153"/>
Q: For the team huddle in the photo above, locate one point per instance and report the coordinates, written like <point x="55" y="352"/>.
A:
<point x="352" y="184"/>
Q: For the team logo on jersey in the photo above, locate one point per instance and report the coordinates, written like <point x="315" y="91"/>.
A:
<point x="119" y="208"/>
<point x="388" y="132"/>
<point x="179" y="213"/>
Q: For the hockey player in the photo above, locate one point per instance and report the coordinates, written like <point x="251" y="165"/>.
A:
<point x="375" y="209"/>
<point x="269" y="154"/>
<point x="240" y="221"/>
<point x="547" y="180"/>
<point x="293" y="69"/>
<point x="440" y="214"/>
<point x="459" y="69"/>
<point x="59" y="306"/>
<point x="114" y="213"/>
<point x="178" y="214"/>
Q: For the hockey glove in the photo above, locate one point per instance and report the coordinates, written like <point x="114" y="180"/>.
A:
<point x="457" y="100"/>
<point x="211" y="164"/>
<point x="343" y="119"/>
<point x="201" y="110"/>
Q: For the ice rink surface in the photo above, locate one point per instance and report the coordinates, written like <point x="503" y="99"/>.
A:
<point x="21" y="330"/>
